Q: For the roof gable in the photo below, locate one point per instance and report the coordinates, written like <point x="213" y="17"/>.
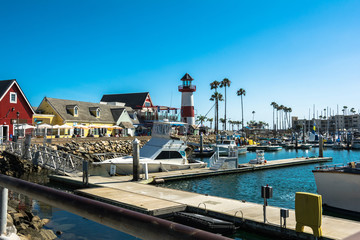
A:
<point x="5" y="86"/>
<point x="133" y="100"/>
<point x="84" y="111"/>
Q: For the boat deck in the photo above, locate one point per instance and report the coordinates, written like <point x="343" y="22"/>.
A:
<point x="158" y="201"/>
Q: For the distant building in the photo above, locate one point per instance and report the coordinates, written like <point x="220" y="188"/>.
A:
<point x="15" y="110"/>
<point x="331" y="124"/>
<point x="87" y="119"/>
<point x="144" y="111"/>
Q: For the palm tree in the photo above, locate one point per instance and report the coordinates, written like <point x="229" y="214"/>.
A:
<point x="241" y="92"/>
<point x="289" y="111"/>
<point x="201" y="119"/>
<point x="210" y="120"/>
<point x="216" y="97"/>
<point x="232" y="123"/>
<point x="345" y="107"/>
<point x="253" y="113"/>
<point x="223" y="121"/>
<point x="273" y="104"/>
<point x="214" y="85"/>
<point x="352" y="110"/>
<point x="225" y="83"/>
<point x="281" y="108"/>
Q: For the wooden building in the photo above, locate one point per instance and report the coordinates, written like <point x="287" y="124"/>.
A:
<point x="15" y="110"/>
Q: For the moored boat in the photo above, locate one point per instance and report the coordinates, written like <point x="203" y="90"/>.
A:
<point x="339" y="186"/>
<point x="161" y="153"/>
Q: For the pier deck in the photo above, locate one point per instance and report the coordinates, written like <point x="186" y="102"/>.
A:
<point x="154" y="200"/>
<point x="139" y="197"/>
<point x="245" y="167"/>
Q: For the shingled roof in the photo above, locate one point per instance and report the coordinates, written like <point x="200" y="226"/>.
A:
<point x="4" y="86"/>
<point x="84" y="113"/>
<point x="186" y="77"/>
<point x="133" y="100"/>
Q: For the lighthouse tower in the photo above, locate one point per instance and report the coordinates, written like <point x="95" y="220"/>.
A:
<point x="187" y="100"/>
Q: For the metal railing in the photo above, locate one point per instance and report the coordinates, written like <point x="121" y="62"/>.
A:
<point x="136" y="224"/>
<point x="47" y="157"/>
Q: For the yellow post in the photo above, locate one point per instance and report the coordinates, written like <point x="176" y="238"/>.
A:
<point x="308" y="212"/>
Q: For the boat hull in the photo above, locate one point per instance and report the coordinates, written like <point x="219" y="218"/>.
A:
<point x="127" y="168"/>
<point x="339" y="189"/>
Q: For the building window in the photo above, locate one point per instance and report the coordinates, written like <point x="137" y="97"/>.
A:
<point x="13" y="97"/>
<point x="147" y="104"/>
<point x="76" y="110"/>
<point x="98" y="113"/>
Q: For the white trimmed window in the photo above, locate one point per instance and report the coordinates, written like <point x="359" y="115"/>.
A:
<point x="98" y="113"/>
<point x="13" y="97"/>
<point x="76" y="111"/>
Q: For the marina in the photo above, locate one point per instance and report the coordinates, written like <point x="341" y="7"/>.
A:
<point x="165" y="201"/>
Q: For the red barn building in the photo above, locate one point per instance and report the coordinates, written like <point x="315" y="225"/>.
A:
<point x="14" y="108"/>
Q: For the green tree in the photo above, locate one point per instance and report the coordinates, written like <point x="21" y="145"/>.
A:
<point x="224" y="84"/>
<point x="241" y="92"/>
<point x="210" y="120"/>
<point x="273" y="104"/>
<point x="201" y="119"/>
<point x="215" y="97"/>
<point x="223" y="121"/>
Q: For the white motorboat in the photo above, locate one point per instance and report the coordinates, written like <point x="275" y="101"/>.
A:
<point x="339" y="186"/>
<point x="260" y="159"/>
<point x="224" y="146"/>
<point x="161" y="153"/>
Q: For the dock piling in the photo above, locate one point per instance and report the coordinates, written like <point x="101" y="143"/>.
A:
<point x="201" y="143"/>
<point x="136" y="159"/>
<point x="85" y="172"/>
<point x="3" y="210"/>
<point x="321" y="153"/>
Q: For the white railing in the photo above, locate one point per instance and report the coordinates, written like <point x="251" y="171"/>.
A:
<point x="47" y="157"/>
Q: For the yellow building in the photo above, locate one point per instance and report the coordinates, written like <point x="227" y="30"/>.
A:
<point x="82" y="118"/>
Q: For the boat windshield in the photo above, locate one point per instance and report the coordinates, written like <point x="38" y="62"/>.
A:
<point x="227" y="142"/>
<point x="168" y="155"/>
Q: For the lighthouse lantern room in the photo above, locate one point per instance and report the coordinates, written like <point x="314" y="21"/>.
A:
<point x="187" y="99"/>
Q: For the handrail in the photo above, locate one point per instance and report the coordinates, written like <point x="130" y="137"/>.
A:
<point x="136" y="224"/>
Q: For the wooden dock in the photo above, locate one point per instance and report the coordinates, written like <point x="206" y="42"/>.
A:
<point x="160" y="201"/>
<point x="245" y="167"/>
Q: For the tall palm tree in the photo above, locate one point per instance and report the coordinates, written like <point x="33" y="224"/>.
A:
<point x="289" y="111"/>
<point x="352" y="110"/>
<point x="273" y="104"/>
<point x="214" y="85"/>
<point x="201" y="119"/>
<point x="210" y="120"/>
<point x="225" y="83"/>
<point x="217" y="97"/>
<point x="281" y="108"/>
<point x="241" y="92"/>
<point x="345" y="107"/>
<point x="253" y="113"/>
<point x="223" y="121"/>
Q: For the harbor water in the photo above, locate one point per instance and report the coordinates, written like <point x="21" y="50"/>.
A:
<point x="242" y="186"/>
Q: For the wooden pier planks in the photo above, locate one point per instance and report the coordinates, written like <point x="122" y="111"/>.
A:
<point x="131" y="200"/>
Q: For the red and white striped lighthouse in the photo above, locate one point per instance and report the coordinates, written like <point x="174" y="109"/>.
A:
<point x="187" y="100"/>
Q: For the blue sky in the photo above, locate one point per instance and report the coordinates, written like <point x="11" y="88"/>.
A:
<point x="296" y="53"/>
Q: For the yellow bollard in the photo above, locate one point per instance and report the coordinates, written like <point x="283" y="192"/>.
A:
<point x="308" y="212"/>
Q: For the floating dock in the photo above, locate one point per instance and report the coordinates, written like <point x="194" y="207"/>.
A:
<point x="244" y="167"/>
<point x="160" y="201"/>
